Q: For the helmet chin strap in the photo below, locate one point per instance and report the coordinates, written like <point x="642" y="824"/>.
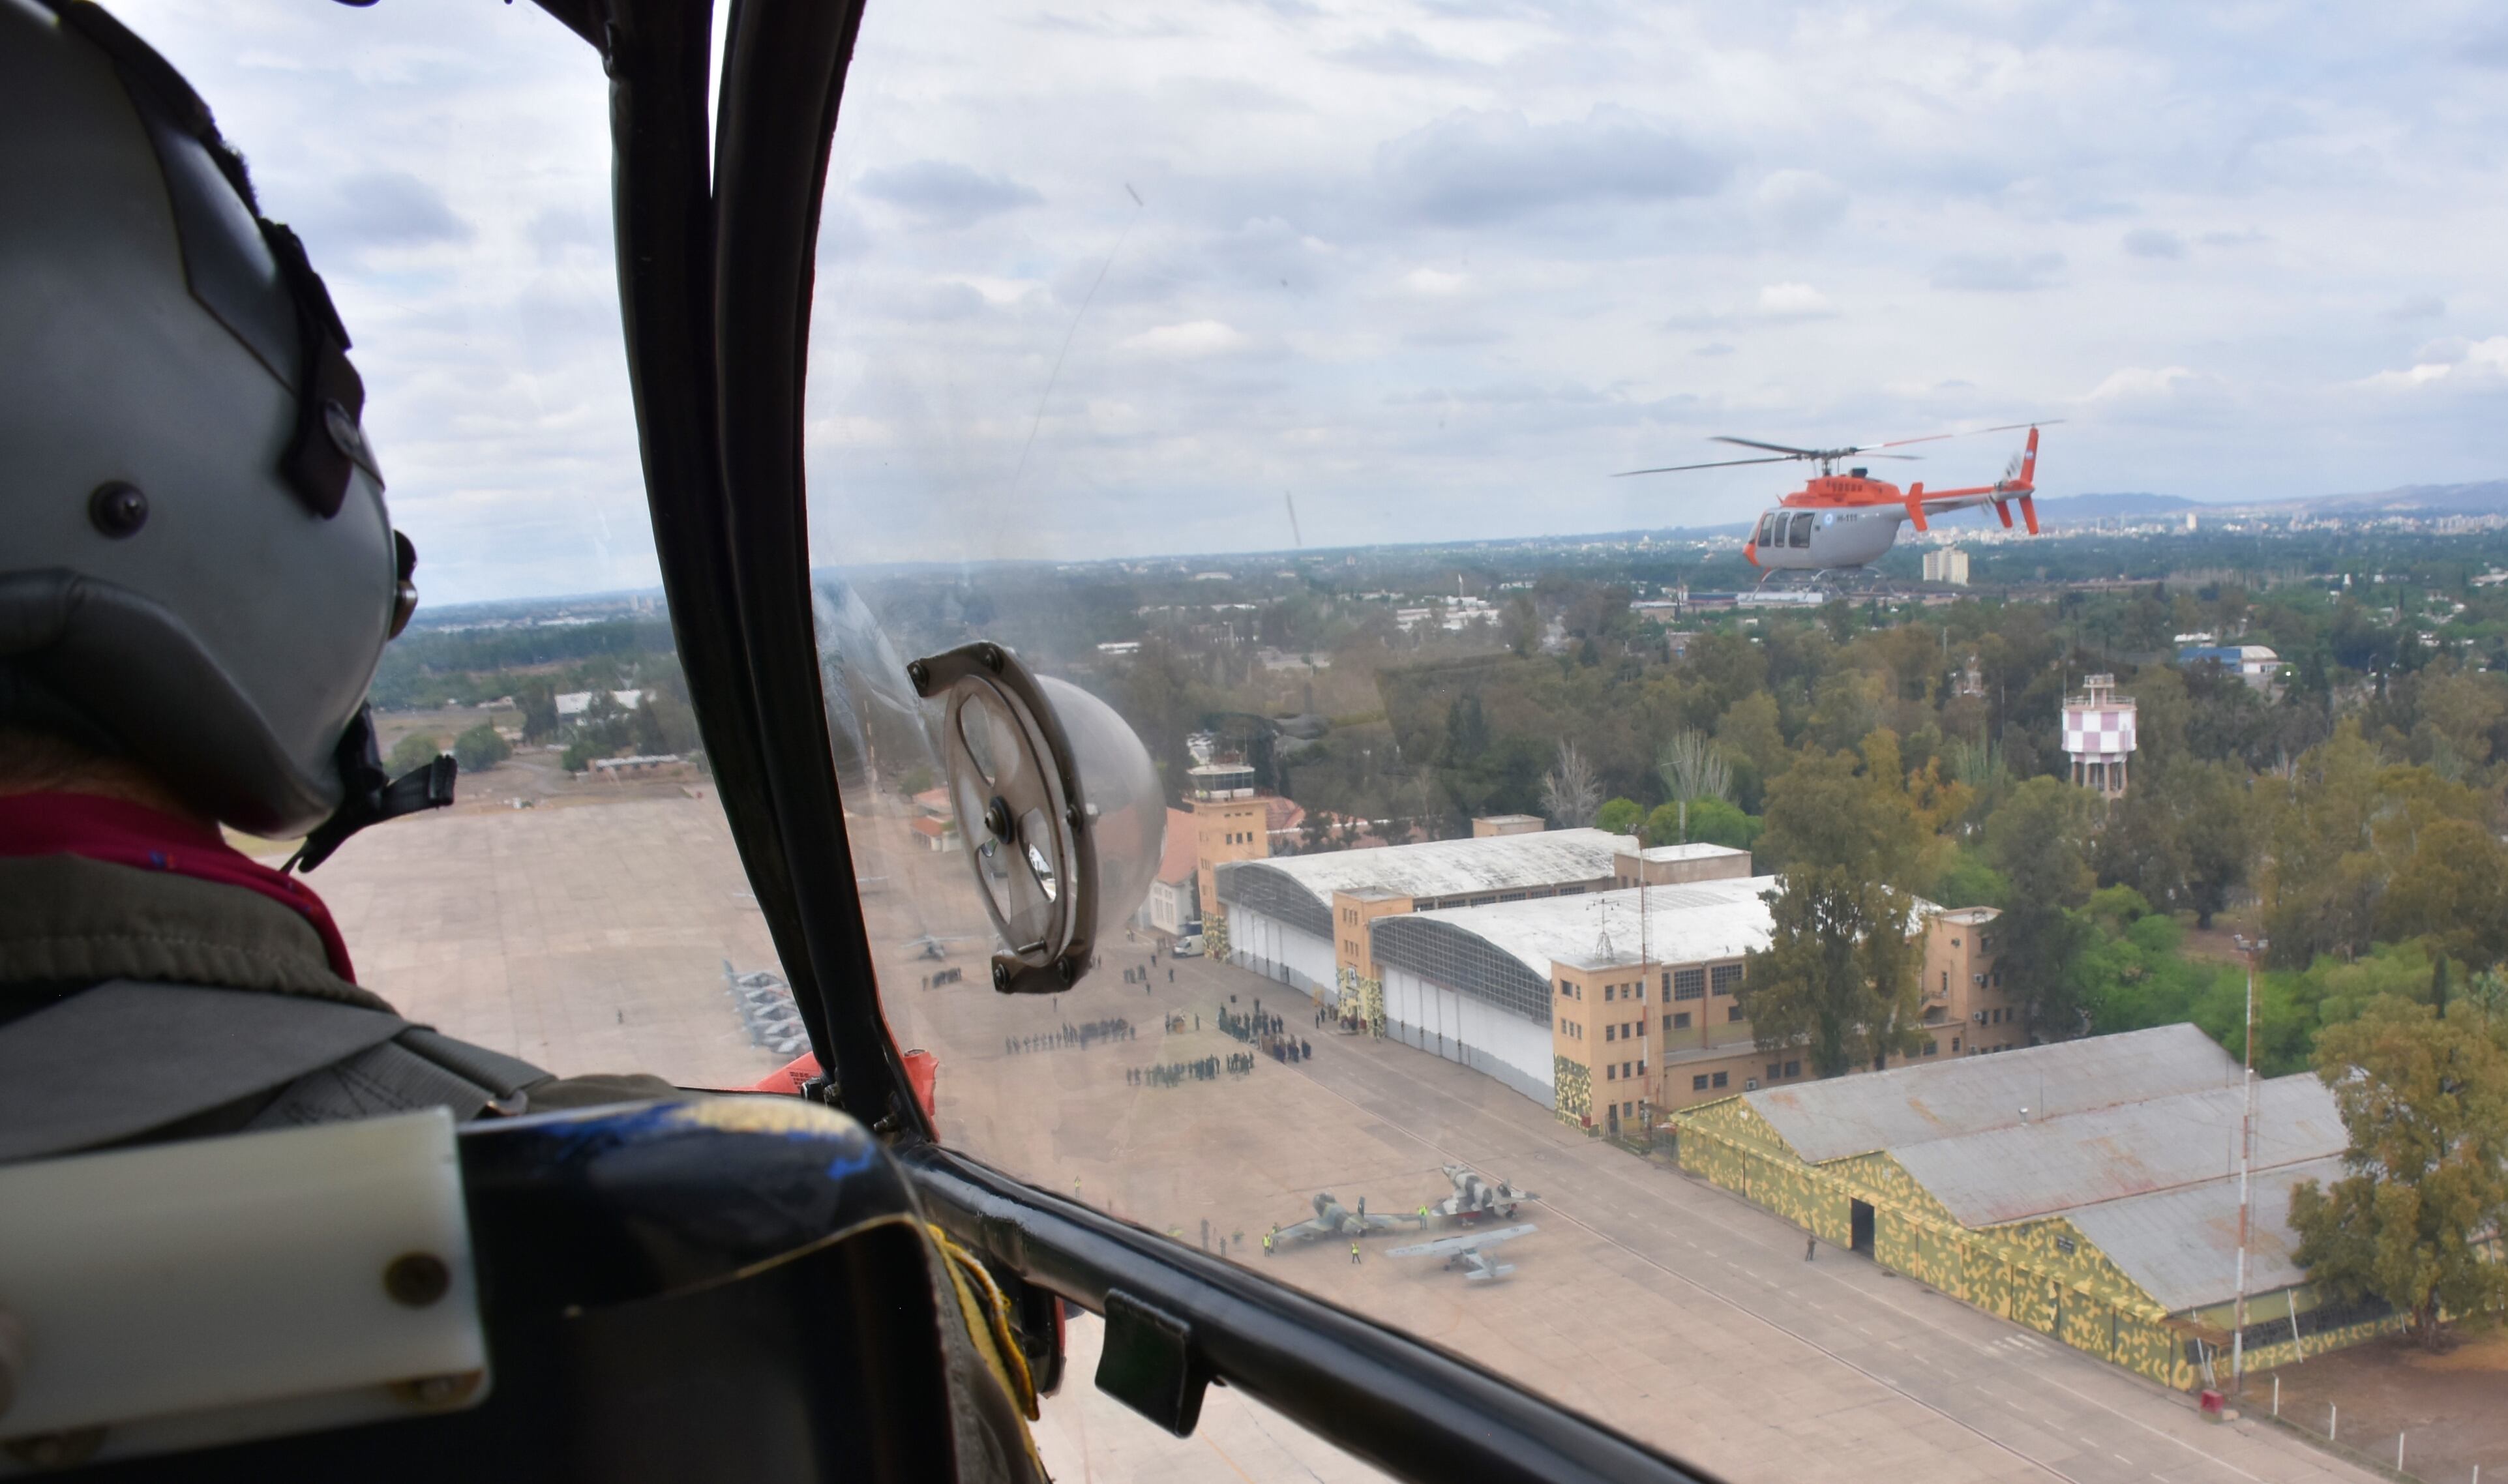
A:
<point x="372" y="795"/>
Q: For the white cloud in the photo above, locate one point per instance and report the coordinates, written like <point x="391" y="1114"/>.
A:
<point x="1997" y="272"/>
<point x="2153" y="243"/>
<point x="1484" y="167"/>
<point x="1191" y="339"/>
<point x="1792" y="300"/>
<point x="1800" y="201"/>
<point x="1434" y="280"/>
<point x="998" y="291"/>
<point x="2138" y="382"/>
<point x="848" y="432"/>
<point x="2448" y="361"/>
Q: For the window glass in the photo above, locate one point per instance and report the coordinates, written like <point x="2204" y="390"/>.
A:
<point x="1259" y="370"/>
<point x="581" y="904"/>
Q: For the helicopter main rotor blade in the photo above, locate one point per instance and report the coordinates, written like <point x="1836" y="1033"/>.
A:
<point x="1721" y="464"/>
<point x="1786" y="449"/>
<point x="1971" y="434"/>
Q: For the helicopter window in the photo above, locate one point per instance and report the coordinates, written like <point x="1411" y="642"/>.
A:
<point x="583" y="907"/>
<point x="1137" y="357"/>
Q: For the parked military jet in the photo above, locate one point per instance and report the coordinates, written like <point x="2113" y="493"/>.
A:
<point x="1334" y="1219"/>
<point x="936" y="944"/>
<point x="754" y="980"/>
<point x="1475" y="1199"/>
<point x="1464" y="1251"/>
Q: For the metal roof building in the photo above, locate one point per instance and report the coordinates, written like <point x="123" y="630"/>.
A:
<point x="1681" y="924"/>
<point x="1824" y="1120"/>
<point x="1279" y="911"/>
<point x="2126" y="1150"/>
<point x="2179" y="1243"/>
<point x="2089" y="1189"/>
<point x="1298" y="889"/>
<point x="1475" y="984"/>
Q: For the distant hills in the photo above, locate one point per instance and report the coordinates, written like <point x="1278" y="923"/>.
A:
<point x="2070" y="509"/>
<point x="2488" y="497"/>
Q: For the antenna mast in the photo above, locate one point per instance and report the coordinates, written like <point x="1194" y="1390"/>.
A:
<point x="2247" y="1161"/>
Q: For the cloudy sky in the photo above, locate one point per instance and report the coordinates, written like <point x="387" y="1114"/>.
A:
<point x="1112" y="280"/>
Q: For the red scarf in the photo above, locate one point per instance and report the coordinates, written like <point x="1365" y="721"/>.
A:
<point x="125" y="834"/>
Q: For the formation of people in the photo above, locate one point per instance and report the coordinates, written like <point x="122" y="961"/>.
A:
<point x="1268" y="1032"/>
<point x="1204" y="1069"/>
<point x="1253" y="1026"/>
<point x="1071" y="1037"/>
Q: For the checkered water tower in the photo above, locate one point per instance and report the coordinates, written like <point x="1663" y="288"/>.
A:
<point x="2098" y="735"/>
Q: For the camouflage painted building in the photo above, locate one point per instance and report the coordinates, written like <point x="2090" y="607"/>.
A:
<point x="2087" y="1189"/>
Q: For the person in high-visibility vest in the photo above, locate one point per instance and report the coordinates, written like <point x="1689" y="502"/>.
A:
<point x="1353" y="1249"/>
<point x="1267" y="1241"/>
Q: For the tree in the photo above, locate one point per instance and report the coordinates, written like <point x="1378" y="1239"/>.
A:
<point x="1708" y="822"/>
<point x="1840" y="975"/>
<point x="1753" y="744"/>
<point x="1521" y="625"/>
<point x="539" y="702"/>
<point x="2454" y="889"/>
<point x="1693" y="767"/>
<point x="2216" y="831"/>
<point x="2425" y="1100"/>
<point x="2323" y="881"/>
<point x="413" y="752"/>
<point x="665" y="724"/>
<point x="2038" y="840"/>
<point x="1570" y="794"/>
<point x="1619" y="817"/>
<point x="1969" y="881"/>
<point x="480" y="749"/>
<point x="2182" y="836"/>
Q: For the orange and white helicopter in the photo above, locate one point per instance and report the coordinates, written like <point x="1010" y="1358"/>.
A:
<point x="1841" y="522"/>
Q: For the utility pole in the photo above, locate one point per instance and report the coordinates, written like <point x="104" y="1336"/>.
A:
<point x="1645" y="978"/>
<point x="2247" y="1160"/>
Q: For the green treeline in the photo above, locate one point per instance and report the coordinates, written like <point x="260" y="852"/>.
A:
<point x="531" y="666"/>
<point x="2349" y="813"/>
<point x="426" y="669"/>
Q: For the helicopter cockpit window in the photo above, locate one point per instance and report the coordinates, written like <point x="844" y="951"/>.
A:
<point x="581" y="906"/>
<point x="1249" y="370"/>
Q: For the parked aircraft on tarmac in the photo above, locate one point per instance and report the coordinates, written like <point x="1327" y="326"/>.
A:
<point x="1475" y="1198"/>
<point x="1465" y="1251"/>
<point x="1334" y="1219"/>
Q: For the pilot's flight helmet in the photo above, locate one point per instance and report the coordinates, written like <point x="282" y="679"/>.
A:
<point x="197" y="571"/>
